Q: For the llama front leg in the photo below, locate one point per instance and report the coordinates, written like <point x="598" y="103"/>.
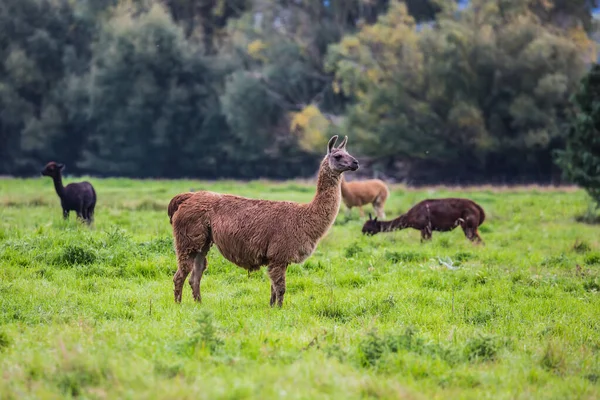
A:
<point x="84" y="215"/>
<point x="79" y="211"/>
<point x="200" y="265"/>
<point x="65" y="213"/>
<point x="277" y="274"/>
<point x="273" y="295"/>
<point x="90" y="212"/>
<point x="425" y="234"/>
<point x="362" y="213"/>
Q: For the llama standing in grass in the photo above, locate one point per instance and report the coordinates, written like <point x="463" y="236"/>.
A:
<point x="360" y="193"/>
<point x="251" y="233"/>
<point x="434" y="215"/>
<point x="79" y="197"/>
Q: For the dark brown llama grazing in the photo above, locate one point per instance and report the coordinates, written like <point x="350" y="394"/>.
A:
<point x="79" y="197"/>
<point x="251" y="233"/>
<point x="434" y="215"/>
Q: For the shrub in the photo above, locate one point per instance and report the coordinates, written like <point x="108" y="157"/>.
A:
<point x="580" y="160"/>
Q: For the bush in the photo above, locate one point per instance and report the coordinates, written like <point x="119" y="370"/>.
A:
<point x="580" y="160"/>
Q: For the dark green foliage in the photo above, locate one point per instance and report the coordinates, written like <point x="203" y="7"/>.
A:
<point x="4" y="340"/>
<point x="210" y="89"/>
<point x="482" y="348"/>
<point x="580" y="160"/>
<point x="45" y="47"/>
<point x="592" y="259"/>
<point x="75" y="255"/>
<point x="405" y="256"/>
<point x="204" y="337"/>
<point x="353" y="249"/>
<point x="373" y="348"/>
<point x="463" y="102"/>
<point x="554" y="358"/>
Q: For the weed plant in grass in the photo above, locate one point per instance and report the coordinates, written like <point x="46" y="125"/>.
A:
<point x="89" y="312"/>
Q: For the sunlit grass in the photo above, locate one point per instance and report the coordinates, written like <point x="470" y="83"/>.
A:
<point x="89" y="311"/>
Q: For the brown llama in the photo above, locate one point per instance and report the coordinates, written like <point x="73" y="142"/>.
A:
<point x="250" y="232"/>
<point x="360" y="193"/>
<point x="434" y="215"/>
<point x="79" y="197"/>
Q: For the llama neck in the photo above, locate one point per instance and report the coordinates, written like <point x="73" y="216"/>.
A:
<point x="393" y="225"/>
<point x="324" y="207"/>
<point x="58" y="186"/>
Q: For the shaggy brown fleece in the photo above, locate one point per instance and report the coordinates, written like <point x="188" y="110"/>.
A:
<point x="251" y="233"/>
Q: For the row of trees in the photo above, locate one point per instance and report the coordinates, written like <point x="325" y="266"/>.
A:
<point x="249" y="88"/>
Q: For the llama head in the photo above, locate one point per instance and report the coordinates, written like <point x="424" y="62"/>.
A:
<point x="339" y="159"/>
<point x="53" y="169"/>
<point x="372" y="226"/>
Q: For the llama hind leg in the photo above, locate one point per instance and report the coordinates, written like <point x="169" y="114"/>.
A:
<point x="200" y="265"/>
<point x="189" y="243"/>
<point x="273" y="295"/>
<point x="90" y="214"/>
<point x="378" y="205"/>
<point x="379" y="210"/>
<point x="425" y="234"/>
<point x="277" y="274"/>
<point x="84" y="215"/>
<point x="185" y="263"/>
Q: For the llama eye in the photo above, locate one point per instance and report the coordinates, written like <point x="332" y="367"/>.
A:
<point x="337" y="157"/>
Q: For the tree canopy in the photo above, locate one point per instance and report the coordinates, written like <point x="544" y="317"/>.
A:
<point x="427" y="90"/>
<point x="581" y="158"/>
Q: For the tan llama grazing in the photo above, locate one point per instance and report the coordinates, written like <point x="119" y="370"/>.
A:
<point x="360" y="193"/>
<point x="251" y="233"/>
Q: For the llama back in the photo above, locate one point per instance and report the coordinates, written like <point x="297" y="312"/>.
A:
<point x="363" y="192"/>
<point x="251" y="232"/>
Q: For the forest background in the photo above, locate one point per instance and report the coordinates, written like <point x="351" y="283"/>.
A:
<point x="427" y="91"/>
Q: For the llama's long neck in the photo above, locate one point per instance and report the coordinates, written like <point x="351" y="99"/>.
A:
<point x="58" y="186"/>
<point x="393" y="225"/>
<point x="323" y="209"/>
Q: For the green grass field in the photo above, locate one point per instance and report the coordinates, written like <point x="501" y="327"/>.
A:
<point x="89" y="312"/>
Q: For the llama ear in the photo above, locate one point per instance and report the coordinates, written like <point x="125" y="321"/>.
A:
<point x="331" y="143"/>
<point x="375" y="220"/>
<point x="370" y="217"/>
<point x="343" y="144"/>
<point x="60" y="166"/>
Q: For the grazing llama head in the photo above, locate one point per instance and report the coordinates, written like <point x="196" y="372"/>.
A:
<point x="53" y="169"/>
<point x="339" y="159"/>
<point x="371" y="226"/>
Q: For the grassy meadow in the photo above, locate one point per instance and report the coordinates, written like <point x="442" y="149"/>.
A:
<point x="89" y="312"/>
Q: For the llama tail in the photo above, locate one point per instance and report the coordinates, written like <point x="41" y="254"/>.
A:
<point x="175" y="203"/>
<point x="481" y="212"/>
